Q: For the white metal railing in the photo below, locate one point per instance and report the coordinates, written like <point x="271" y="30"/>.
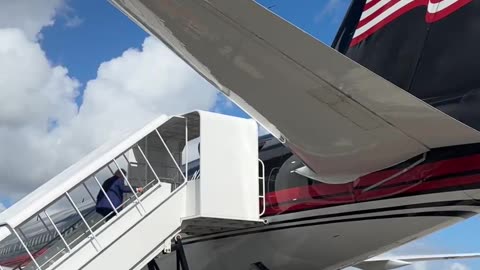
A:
<point x="89" y="229"/>
<point x="262" y="192"/>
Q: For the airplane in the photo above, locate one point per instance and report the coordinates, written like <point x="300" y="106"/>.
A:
<point x="382" y="125"/>
<point x="385" y="263"/>
<point x="273" y="154"/>
<point x="374" y="138"/>
<point x="294" y="203"/>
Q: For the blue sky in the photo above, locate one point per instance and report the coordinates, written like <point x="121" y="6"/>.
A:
<point x="91" y="32"/>
<point x="110" y="33"/>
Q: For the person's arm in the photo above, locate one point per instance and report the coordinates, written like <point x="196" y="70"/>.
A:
<point x="128" y="190"/>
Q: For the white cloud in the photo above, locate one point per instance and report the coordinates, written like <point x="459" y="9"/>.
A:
<point x="332" y="11"/>
<point x="427" y="247"/>
<point x="2" y="207"/>
<point x="42" y="91"/>
<point x="32" y="94"/>
<point x="29" y="16"/>
<point x="419" y="266"/>
<point x="41" y="127"/>
<point x="42" y="130"/>
<point x="458" y="266"/>
<point x="439" y="265"/>
<point x="73" y="21"/>
<point x="136" y="87"/>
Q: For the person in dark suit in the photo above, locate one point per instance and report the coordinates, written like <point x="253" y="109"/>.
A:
<point x="115" y="188"/>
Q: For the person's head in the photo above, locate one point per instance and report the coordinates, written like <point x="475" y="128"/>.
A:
<point x="119" y="174"/>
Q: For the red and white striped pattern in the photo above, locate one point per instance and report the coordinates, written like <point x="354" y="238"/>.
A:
<point x="378" y="13"/>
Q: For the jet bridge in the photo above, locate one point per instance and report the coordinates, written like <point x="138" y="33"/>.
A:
<point x="155" y="157"/>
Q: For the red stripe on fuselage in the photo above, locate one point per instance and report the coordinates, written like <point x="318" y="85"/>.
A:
<point x="431" y="177"/>
<point x="22" y="259"/>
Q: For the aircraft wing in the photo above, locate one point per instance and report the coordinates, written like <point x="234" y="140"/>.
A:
<point x="341" y="119"/>
<point x="393" y="262"/>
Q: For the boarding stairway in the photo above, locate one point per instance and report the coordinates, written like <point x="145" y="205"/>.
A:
<point x="173" y="202"/>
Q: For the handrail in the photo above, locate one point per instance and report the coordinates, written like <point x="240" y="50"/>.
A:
<point x="55" y="239"/>
<point x="263" y="193"/>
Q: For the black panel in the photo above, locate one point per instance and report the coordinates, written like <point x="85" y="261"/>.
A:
<point x="437" y="62"/>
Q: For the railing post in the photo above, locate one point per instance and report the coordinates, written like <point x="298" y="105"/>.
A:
<point x="26" y="248"/>
<point x="43" y="222"/>
<point x="128" y="183"/>
<point x="106" y="195"/>
<point x="22" y="234"/>
<point x="148" y="163"/>
<point x="89" y="193"/>
<point x="81" y="216"/>
<point x="110" y="169"/>
<point x="170" y="153"/>
<point x="57" y="230"/>
<point x="186" y="149"/>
